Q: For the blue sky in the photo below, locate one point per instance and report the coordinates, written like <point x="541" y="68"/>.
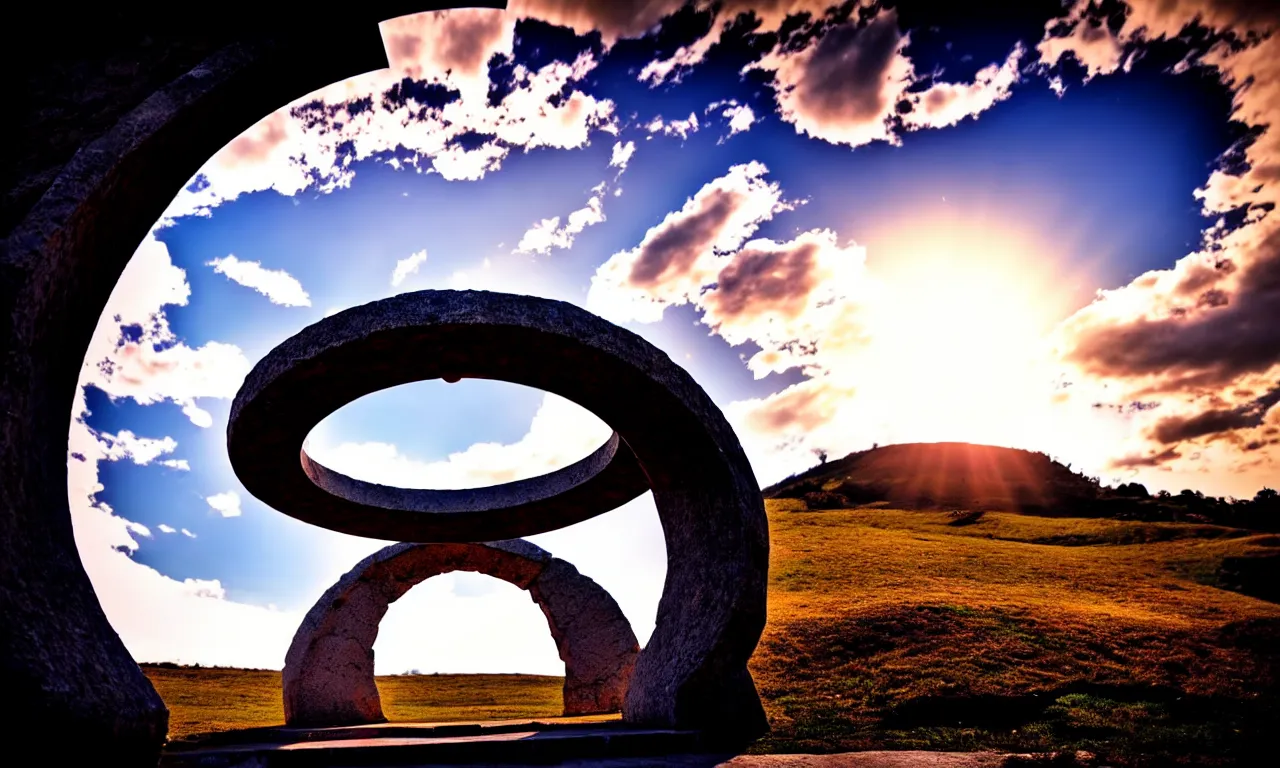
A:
<point x="984" y="227"/>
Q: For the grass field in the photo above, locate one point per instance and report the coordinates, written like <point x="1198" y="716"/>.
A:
<point x="894" y="629"/>
<point x="210" y="699"/>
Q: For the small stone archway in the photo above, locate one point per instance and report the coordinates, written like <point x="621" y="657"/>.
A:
<point x="692" y="673"/>
<point x="328" y="672"/>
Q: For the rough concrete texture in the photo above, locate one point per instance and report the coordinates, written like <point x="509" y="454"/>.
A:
<point x="76" y="204"/>
<point x="603" y="481"/>
<point x="593" y="636"/>
<point x="328" y="673"/>
<point x="693" y="672"/>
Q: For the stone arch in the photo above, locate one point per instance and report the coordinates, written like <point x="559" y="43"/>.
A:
<point x="328" y="671"/>
<point x="59" y="655"/>
<point x="693" y="673"/>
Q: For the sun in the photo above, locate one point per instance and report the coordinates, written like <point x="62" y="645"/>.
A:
<point x="962" y="315"/>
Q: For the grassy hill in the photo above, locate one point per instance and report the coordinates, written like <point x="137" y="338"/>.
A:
<point x="963" y="476"/>
<point x="910" y="629"/>
<point x="935" y="475"/>
<point x="922" y="629"/>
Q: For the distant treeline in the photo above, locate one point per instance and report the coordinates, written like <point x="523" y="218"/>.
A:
<point x="961" y="476"/>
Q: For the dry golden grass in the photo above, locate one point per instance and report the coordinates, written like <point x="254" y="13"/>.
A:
<point x="202" y="700"/>
<point x="901" y="629"/>
<point x="897" y="629"/>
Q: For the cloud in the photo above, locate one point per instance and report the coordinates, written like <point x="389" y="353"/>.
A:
<point x="133" y="353"/>
<point x="407" y="266"/>
<point x="226" y="504"/>
<point x="681" y="128"/>
<point x="769" y="15"/>
<point x="560" y="434"/>
<point x="622" y="152"/>
<point x="679" y="256"/>
<point x="1088" y="40"/>
<point x="411" y="115"/>
<point x="741" y="118"/>
<point x="457" y="42"/>
<point x="844" y="86"/>
<point x="613" y="19"/>
<point x="548" y="233"/>
<point x="1137" y="461"/>
<point x="201" y="624"/>
<point x="140" y="450"/>
<point x="1198" y="337"/>
<point x="1216" y="421"/>
<point x="793" y="299"/>
<point x="276" y="284"/>
<point x="945" y="104"/>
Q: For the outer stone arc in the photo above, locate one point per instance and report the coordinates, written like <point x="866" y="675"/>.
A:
<point x="692" y="673"/>
<point x="328" y="671"/>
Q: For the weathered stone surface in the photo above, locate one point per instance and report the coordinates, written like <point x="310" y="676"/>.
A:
<point x="693" y="673"/>
<point x="74" y="211"/>
<point x="593" y="636"/>
<point x="328" y="672"/>
<point x="605" y="480"/>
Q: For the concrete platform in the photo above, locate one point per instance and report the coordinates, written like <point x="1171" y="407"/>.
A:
<point x="570" y="742"/>
<point x="501" y="742"/>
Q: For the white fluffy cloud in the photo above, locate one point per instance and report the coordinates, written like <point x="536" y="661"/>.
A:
<point x="407" y="266"/>
<point x="622" y="152"/>
<point x="561" y="433"/>
<point x="140" y="450"/>
<point x="277" y="285"/>
<point x="434" y="93"/>
<point x="944" y="104"/>
<point x="681" y="128"/>
<point x="769" y="15"/>
<point x="549" y="233"/>
<point x="1195" y="343"/>
<point x="683" y="253"/>
<point x="149" y="364"/>
<point x="613" y="19"/>
<point x="844" y="87"/>
<point x="741" y="118"/>
<point x="226" y="504"/>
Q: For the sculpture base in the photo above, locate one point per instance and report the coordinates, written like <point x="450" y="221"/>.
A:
<point x="545" y="742"/>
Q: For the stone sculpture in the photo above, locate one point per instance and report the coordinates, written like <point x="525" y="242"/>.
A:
<point x="693" y="672"/>
<point x="328" y="671"/>
<point x="99" y="160"/>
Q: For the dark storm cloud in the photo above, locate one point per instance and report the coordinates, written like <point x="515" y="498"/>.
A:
<point x="1217" y="421"/>
<point x="1139" y="462"/>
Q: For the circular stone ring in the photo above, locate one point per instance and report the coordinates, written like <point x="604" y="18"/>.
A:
<point x="670" y="438"/>
<point x="288" y="393"/>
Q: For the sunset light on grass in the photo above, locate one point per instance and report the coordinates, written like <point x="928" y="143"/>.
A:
<point x="1044" y="226"/>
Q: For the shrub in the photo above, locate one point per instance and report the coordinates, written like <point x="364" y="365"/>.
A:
<point x="825" y="500"/>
